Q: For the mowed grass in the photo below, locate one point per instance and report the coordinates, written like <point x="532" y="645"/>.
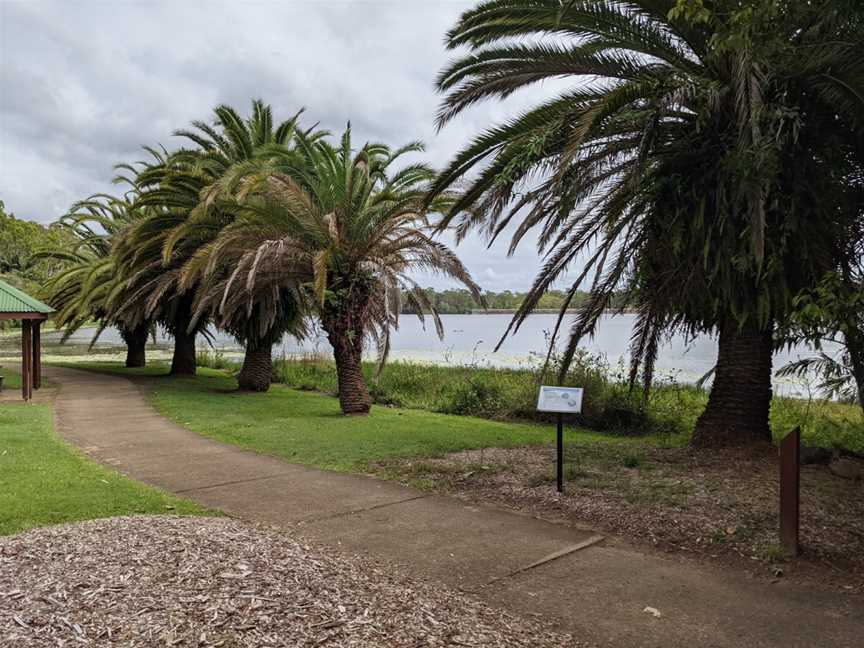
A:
<point x="308" y="428"/>
<point x="511" y="395"/>
<point x="43" y="480"/>
<point x="11" y="379"/>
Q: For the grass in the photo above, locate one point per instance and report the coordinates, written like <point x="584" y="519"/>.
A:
<point x="11" y="379"/>
<point x="43" y="480"/>
<point x="510" y="395"/>
<point x="308" y="427"/>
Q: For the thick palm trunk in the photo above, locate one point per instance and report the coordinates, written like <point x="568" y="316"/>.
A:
<point x="183" y="363"/>
<point x="354" y="395"/>
<point x="136" y="343"/>
<point x="343" y="320"/>
<point x="740" y="399"/>
<point x="257" y="371"/>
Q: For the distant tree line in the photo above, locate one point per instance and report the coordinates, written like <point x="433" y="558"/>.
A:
<point x="20" y="262"/>
<point x="460" y="301"/>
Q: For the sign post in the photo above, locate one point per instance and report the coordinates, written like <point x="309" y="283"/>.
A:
<point x="561" y="401"/>
<point x="790" y="488"/>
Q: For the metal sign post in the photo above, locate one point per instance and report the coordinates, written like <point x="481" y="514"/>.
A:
<point x="561" y="401"/>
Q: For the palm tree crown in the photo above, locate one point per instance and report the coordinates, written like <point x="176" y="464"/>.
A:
<point x="674" y="170"/>
<point x="344" y="228"/>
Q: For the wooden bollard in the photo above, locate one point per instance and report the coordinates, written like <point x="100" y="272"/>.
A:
<point x="790" y="490"/>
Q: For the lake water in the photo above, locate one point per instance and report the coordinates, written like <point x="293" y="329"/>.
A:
<point x="470" y="339"/>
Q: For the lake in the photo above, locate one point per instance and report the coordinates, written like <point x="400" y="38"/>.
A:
<point x="470" y="339"/>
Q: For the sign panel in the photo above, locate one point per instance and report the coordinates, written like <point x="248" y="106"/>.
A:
<point x="565" y="400"/>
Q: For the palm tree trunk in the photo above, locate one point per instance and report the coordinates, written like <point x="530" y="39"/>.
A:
<point x="183" y="363"/>
<point x="739" y="404"/>
<point x="257" y="371"/>
<point x="136" y="343"/>
<point x="354" y="395"/>
<point x="344" y="321"/>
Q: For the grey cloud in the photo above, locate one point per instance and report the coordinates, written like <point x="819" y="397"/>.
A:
<point x="84" y="84"/>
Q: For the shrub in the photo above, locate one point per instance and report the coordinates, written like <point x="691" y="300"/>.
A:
<point x="609" y="405"/>
<point x="214" y="359"/>
<point x="475" y="397"/>
<point x="632" y="460"/>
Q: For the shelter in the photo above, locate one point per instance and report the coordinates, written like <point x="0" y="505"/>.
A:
<point x="18" y="305"/>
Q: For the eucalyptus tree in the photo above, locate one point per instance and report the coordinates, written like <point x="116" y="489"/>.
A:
<point x="683" y="166"/>
<point x="80" y="290"/>
<point x="345" y="228"/>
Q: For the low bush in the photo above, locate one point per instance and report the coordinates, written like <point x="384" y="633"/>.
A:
<point x="214" y="359"/>
<point x="609" y="405"/>
<point x="507" y="394"/>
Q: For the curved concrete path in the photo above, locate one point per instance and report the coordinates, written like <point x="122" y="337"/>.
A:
<point x="596" y="590"/>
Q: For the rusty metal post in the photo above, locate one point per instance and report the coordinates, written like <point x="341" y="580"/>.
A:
<point x="790" y="489"/>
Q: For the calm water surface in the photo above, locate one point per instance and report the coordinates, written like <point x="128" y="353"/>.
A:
<point x="470" y="339"/>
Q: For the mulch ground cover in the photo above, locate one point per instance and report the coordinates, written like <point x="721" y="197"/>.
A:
<point x="208" y="582"/>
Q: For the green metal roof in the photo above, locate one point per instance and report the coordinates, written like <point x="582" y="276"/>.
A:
<point x="13" y="300"/>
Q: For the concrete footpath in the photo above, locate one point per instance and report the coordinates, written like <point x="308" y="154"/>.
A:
<point x="590" y="586"/>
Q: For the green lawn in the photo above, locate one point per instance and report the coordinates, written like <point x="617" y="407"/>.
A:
<point x="11" y="379"/>
<point x="43" y="480"/>
<point x="308" y="427"/>
<point x="511" y="395"/>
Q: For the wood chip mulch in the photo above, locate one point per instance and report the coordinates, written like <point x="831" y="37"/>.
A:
<point x="207" y="582"/>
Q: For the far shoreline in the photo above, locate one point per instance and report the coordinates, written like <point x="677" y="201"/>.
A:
<point x="543" y="311"/>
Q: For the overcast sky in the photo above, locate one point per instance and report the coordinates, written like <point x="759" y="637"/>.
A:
<point x="84" y="84"/>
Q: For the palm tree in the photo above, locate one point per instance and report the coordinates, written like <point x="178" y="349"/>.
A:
<point x="80" y="290"/>
<point x="257" y="318"/>
<point x="674" y="170"/>
<point x="344" y="227"/>
<point x="150" y="290"/>
<point x="258" y="315"/>
<point x="159" y="250"/>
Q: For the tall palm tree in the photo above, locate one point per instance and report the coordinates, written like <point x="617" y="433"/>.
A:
<point x="158" y="251"/>
<point x="150" y="291"/>
<point x="675" y="169"/>
<point x="345" y="227"/>
<point x="80" y="290"/>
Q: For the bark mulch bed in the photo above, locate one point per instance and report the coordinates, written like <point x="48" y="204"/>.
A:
<point x="717" y="506"/>
<point x="207" y="582"/>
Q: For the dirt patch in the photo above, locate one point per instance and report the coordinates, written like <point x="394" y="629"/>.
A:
<point x="168" y="581"/>
<point x="717" y="506"/>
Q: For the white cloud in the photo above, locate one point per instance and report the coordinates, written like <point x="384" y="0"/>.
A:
<point x="83" y="85"/>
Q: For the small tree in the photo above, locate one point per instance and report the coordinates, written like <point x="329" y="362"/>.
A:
<point x="833" y="310"/>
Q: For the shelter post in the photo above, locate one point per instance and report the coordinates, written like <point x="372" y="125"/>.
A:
<point x="37" y="354"/>
<point x="26" y="359"/>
